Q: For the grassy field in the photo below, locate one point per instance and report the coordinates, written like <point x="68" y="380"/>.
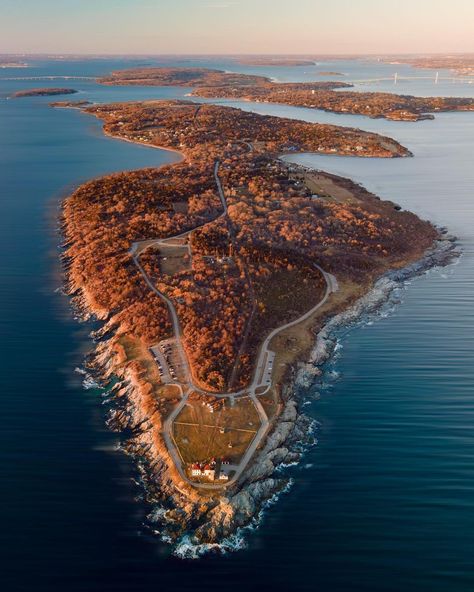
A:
<point x="135" y="350"/>
<point x="174" y="259"/>
<point x="225" y="433"/>
<point x="328" y="190"/>
<point x="271" y="404"/>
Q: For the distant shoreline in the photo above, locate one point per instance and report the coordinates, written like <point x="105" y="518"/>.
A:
<point x="13" y="65"/>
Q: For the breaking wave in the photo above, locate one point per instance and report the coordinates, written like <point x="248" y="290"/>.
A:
<point x="88" y="381"/>
<point x="186" y="549"/>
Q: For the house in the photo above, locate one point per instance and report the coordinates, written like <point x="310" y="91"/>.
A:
<point x="209" y="472"/>
<point x="196" y="470"/>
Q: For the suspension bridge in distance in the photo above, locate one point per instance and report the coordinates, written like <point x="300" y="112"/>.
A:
<point x="396" y="78"/>
<point x="17" y="78"/>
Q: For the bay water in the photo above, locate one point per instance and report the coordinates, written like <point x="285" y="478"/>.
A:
<point x="384" y="502"/>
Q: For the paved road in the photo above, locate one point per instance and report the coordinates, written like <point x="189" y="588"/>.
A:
<point x="172" y="448"/>
<point x="139" y="248"/>
<point x="260" y="366"/>
<point x="219" y="187"/>
<point x="174" y="320"/>
<point x="233" y="239"/>
<point x="331" y="286"/>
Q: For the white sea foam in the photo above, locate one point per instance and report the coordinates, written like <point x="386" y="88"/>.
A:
<point x="186" y="549"/>
<point x="283" y="466"/>
<point x="378" y="304"/>
<point x="112" y="447"/>
<point x="88" y="382"/>
<point x="157" y="514"/>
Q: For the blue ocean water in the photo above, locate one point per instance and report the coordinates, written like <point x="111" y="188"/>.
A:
<point x="383" y="503"/>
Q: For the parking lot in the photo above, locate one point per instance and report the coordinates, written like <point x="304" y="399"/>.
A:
<point x="266" y="369"/>
<point x="169" y="361"/>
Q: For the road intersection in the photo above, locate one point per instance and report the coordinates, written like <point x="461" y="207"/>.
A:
<point x="263" y="367"/>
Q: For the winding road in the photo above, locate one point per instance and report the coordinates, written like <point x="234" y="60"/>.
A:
<point x="261" y="367"/>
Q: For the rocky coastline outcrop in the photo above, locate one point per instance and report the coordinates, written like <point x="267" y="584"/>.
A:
<point x="193" y="523"/>
<point x="366" y="237"/>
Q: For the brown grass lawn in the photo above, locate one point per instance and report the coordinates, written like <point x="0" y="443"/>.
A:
<point x="328" y="189"/>
<point x="174" y="259"/>
<point x="201" y="435"/>
<point x="270" y="403"/>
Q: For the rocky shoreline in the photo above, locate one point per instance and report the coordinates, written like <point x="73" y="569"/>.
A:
<point x="191" y="523"/>
<point x="192" y="520"/>
<point x="444" y="252"/>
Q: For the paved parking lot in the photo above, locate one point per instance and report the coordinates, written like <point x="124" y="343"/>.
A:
<point x="169" y="361"/>
<point x="266" y="369"/>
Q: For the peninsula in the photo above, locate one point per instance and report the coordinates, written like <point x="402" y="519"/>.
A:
<point x="316" y="95"/>
<point x="211" y="278"/>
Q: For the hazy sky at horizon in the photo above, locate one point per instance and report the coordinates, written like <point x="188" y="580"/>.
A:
<point x="236" y="26"/>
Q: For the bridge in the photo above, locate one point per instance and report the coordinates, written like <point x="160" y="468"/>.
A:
<point x="436" y="78"/>
<point x="395" y="78"/>
<point x="50" y="78"/>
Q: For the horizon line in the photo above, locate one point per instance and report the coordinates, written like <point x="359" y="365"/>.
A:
<point x="236" y="54"/>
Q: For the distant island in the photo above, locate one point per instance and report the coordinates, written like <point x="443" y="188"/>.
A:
<point x="8" y="64"/>
<point x="70" y="104"/>
<point x="329" y="73"/>
<point x="316" y="95"/>
<point x="43" y="92"/>
<point x="274" y="61"/>
<point x="211" y="278"/>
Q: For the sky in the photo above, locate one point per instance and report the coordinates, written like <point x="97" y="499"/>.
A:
<point x="236" y="26"/>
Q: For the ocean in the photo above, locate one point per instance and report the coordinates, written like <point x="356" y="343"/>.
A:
<point x="384" y="502"/>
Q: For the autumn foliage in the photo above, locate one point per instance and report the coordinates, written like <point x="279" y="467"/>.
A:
<point x="248" y="272"/>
